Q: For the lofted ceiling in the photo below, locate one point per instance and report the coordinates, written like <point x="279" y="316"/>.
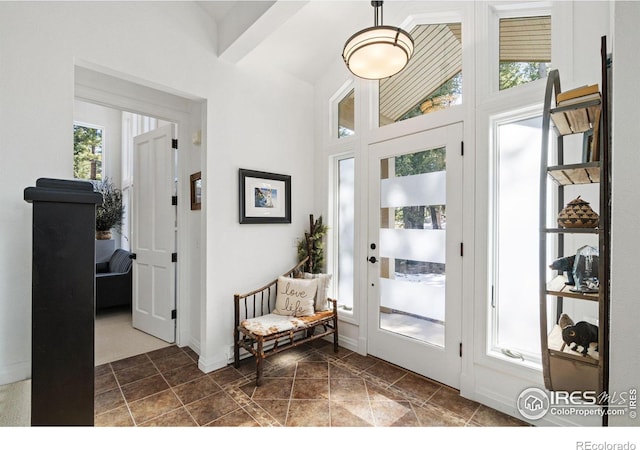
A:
<point x="302" y="37"/>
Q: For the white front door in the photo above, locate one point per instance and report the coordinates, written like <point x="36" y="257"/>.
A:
<point x="153" y="230"/>
<point x="415" y="262"/>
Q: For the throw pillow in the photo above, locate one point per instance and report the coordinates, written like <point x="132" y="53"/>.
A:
<point x="295" y="297"/>
<point x="323" y="288"/>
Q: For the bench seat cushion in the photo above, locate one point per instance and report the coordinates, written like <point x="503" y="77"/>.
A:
<point x="276" y="323"/>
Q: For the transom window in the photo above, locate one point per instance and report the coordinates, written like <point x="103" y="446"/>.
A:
<point x="431" y="81"/>
<point x="346" y="115"/>
<point x="525" y="50"/>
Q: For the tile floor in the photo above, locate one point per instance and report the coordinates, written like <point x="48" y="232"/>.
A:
<point x="307" y="386"/>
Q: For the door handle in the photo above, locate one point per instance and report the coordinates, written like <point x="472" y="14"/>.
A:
<point x="373" y="260"/>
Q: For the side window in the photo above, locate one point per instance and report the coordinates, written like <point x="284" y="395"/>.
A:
<point x="87" y="152"/>
<point x="431" y="81"/>
<point x="515" y="194"/>
<point x="525" y="50"/>
<point x="344" y="224"/>
<point x="346" y="116"/>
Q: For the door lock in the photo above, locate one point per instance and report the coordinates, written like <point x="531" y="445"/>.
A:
<point x="373" y="260"/>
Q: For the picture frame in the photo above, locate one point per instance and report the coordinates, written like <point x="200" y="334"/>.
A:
<point x="196" y="191"/>
<point x="264" y="197"/>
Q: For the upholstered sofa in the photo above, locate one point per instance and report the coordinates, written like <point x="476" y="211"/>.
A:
<point x="114" y="281"/>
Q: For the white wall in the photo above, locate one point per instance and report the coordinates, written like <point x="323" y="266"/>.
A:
<point x="257" y="119"/>
<point x="625" y="246"/>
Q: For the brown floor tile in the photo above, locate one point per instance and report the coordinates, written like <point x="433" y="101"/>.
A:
<point x="328" y="351"/>
<point x="173" y="361"/>
<point x="308" y="413"/>
<point x="191" y="354"/>
<point x="289" y="357"/>
<point x="107" y="400"/>
<point x="392" y="413"/>
<point x="213" y="407"/>
<point x="277" y="409"/>
<point x="176" y="418"/>
<point x="378" y="393"/>
<point x="386" y="372"/>
<point x="274" y="389"/>
<point x="310" y="388"/>
<point x="153" y="406"/>
<point x="359" y="362"/>
<point x="237" y="418"/>
<point x="344" y="389"/>
<point x="143" y="388"/>
<point x="129" y="362"/>
<point x="164" y="352"/>
<point x="339" y="372"/>
<point x="417" y="386"/>
<point x="287" y="371"/>
<point x="182" y="375"/>
<point x="118" y="417"/>
<point x="105" y="382"/>
<point x="491" y="418"/>
<point x="351" y="414"/>
<point x="450" y="399"/>
<point x="312" y="369"/>
<point x="102" y="370"/>
<point x="226" y="375"/>
<point x="131" y="374"/>
<point x="196" y="389"/>
<point x="437" y="416"/>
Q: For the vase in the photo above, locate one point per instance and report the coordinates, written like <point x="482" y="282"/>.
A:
<point x="103" y="235"/>
<point x="578" y="214"/>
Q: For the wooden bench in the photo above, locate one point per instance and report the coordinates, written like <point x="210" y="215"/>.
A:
<point x="263" y="334"/>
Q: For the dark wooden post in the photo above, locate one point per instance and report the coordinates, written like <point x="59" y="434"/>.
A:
<point x="63" y="302"/>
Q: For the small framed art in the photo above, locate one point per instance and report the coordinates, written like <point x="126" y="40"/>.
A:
<point x="196" y="191"/>
<point x="264" y="197"/>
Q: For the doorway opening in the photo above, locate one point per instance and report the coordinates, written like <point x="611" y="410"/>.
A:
<point x="139" y="109"/>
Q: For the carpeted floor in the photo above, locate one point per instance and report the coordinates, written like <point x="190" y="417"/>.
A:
<point x="116" y="338"/>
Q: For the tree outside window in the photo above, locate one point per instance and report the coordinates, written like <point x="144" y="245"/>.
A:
<point x="87" y="152"/>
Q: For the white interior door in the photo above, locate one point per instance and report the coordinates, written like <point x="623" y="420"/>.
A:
<point x="415" y="262"/>
<point x="153" y="233"/>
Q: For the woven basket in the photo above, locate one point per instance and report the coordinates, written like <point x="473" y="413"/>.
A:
<point x="578" y="214"/>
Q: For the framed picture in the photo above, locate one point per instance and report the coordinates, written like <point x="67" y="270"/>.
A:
<point x="587" y="146"/>
<point x="196" y="191"/>
<point x="264" y="197"/>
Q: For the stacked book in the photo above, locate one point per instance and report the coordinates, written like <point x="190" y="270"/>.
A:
<point x="578" y="111"/>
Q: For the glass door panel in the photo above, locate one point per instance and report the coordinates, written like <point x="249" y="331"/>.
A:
<point x="412" y="245"/>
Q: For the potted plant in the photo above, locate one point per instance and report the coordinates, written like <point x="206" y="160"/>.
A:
<point x="110" y="213"/>
<point x="312" y="245"/>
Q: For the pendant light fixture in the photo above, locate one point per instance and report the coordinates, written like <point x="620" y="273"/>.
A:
<point x="379" y="51"/>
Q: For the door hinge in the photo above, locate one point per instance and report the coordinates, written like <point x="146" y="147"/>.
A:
<point x="174" y="313"/>
<point x="133" y="256"/>
<point x="461" y="249"/>
<point x="461" y="148"/>
<point x="174" y="143"/>
<point x="174" y="200"/>
<point x="174" y="257"/>
<point x="460" y="349"/>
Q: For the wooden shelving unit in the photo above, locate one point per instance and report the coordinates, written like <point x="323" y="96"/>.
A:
<point x="564" y="369"/>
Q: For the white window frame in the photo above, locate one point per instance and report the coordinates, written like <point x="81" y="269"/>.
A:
<point x="333" y="234"/>
<point x="530" y="361"/>
<point x="510" y="11"/>
<point x="334" y="113"/>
